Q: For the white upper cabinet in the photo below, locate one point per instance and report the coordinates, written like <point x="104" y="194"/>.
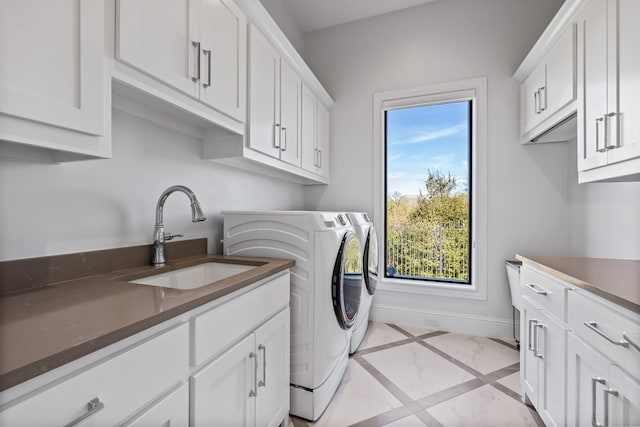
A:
<point x="547" y="95"/>
<point x="156" y="38"/>
<point x="223" y="65"/>
<point x="52" y="85"/>
<point x="609" y="113"/>
<point x="274" y="101"/>
<point x="314" y="129"/>
<point x="195" y="46"/>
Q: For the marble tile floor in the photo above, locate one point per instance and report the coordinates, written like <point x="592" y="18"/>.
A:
<point x="411" y="377"/>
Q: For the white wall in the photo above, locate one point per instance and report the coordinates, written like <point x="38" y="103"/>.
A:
<point x="50" y="209"/>
<point x="285" y="20"/>
<point x="439" y="42"/>
<point x="604" y="218"/>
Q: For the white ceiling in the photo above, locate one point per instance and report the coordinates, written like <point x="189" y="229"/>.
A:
<point x="317" y="14"/>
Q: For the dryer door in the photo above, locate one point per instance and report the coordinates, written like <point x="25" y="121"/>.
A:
<point x="370" y="257"/>
<point x="347" y="280"/>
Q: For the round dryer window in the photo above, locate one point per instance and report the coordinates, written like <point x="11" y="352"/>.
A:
<point x="370" y="256"/>
<point x="347" y="280"/>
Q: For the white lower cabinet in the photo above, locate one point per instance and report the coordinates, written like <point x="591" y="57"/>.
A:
<point x="600" y="393"/>
<point x="248" y="385"/>
<point x="580" y="358"/>
<point x="233" y="353"/>
<point x="112" y="390"/>
<point x="543" y="363"/>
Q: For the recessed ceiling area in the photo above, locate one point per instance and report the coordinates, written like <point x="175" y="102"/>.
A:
<point x="313" y="15"/>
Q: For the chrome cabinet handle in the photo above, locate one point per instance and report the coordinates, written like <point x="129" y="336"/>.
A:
<point x="606" y="392"/>
<point x="529" y="346"/>
<point x="254" y="392"/>
<point x="319" y="158"/>
<point x="208" y="53"/>
<point x="263" y="383"/>
<point x="630" y="341"/>
<point x="594" y="327"/>
<point x="315" y="157"/>
<point x="283" y="144"/>
<point x="537" y="291"/>
<point x="535" y="339"/>
<point x="276" y="135"/>
<point x="197" y="46"/>
<point x="93" y="406"/>
<point x="606" y="132"/>
<point x="543" y="89"/>
<point x="598" y="149"/>
<point x="594" y="383"/>
<point x="536" y="102"/>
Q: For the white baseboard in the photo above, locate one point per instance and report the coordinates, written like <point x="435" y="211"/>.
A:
<point x="443" y="321"/>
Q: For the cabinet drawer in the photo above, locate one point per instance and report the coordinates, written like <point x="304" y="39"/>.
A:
<point x="215" y="330"/>
<point x="123" y="384"/>
<point x="602" y="327"/>
<point x="546" y="292"/>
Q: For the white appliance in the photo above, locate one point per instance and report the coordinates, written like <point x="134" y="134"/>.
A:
<point x="369" y="243"/>
<point x="326" y="284"/>
<point x="513" y="276"/>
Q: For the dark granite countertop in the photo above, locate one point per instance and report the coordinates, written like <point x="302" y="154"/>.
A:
<point x="45" y="327"/>
<point x="616" y="280"/>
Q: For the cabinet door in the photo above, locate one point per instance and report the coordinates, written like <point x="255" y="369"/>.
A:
<point x="623" y="399"/>
<point x="52" y="62"/>
<point x="223" y="393"/>
<point x="171" y="410"/>
<point x="290" y="92"/>
<point x="531" y="101"/>
<point x="560" y="88"/>
<point x="308" y="130"/>
<point x="586" y="380"/>
<point x="264" y="91"/>
<point x="528" y="359"/>
<point x="552" y="344"/>
<point x="223" y="75"/>
<point x="592" y="84"/>
<point x="324" y="140"/>
<point x="272" y="339"/>
<point x="157" y="37"/>
<point x="624" y="63"/>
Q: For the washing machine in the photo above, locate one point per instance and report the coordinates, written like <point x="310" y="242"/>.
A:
<point x="326" y="285"/>
<point x="368" y="239"/>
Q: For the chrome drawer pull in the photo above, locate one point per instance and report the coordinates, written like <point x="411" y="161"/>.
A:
<point x="594" y="382"/>
<point x="606" y="392"/>
<point x="630" y="341"/>
<point x="197" y="46"/>
<point x="535" y="337"/>
<point x="594" y="327"/>
<point x="540" y="291"/>
<point x="93" y="406"/>
<point x="529" y="346"/>
<point x="263" y="383"/>
<point x="254" y="392"/>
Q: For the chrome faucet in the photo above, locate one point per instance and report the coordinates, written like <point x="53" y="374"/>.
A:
<point x="159" y="236"/>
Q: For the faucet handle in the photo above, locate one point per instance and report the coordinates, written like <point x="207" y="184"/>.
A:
<point x="170" y="236"/>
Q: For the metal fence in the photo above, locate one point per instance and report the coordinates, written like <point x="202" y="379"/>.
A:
<point x="429" y="250"/>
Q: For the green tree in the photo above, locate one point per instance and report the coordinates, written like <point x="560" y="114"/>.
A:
<point x="431" y="239"/>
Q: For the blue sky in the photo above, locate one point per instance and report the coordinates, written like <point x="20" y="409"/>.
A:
<point x="430" y="137"/>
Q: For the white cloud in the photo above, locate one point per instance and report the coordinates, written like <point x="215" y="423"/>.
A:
<point x="424" y="135"/>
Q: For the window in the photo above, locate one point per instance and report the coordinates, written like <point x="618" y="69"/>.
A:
<point x="429" y="188"/>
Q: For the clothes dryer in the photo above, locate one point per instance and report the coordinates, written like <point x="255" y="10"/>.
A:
<point x="369" y="243"/>
<point x="326" y="285"/>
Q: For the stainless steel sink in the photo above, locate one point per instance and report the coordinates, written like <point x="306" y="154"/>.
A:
<point x="195" y="276"/>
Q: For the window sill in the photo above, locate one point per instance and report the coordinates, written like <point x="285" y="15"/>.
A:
<point x="450" y="290"/>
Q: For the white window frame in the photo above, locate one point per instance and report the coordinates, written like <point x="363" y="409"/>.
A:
<point x="464" y="90"/>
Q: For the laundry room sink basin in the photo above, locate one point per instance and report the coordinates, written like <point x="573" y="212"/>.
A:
<point x="195" y="276"/>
